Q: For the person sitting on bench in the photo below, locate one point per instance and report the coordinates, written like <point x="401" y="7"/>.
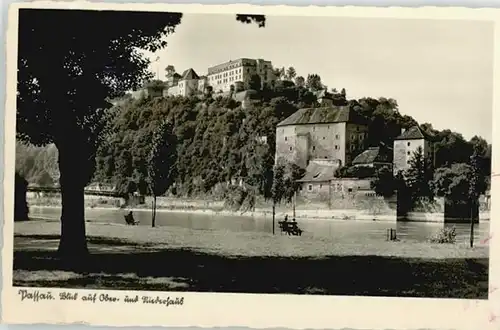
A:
<point x="129" y="219"/>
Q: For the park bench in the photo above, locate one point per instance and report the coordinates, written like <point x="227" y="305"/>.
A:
<point x="290" y="228"/>
<point x="129" y="219"/>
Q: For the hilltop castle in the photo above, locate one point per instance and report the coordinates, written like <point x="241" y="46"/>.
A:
<point x="223" y="78"/>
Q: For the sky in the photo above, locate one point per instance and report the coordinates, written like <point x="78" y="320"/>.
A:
<point x="439" y="71"/>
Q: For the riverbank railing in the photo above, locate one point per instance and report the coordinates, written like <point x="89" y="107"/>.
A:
<point x="87" y="191"/>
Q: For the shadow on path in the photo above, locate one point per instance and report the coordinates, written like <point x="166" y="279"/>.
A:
<point x="195" y="271"/>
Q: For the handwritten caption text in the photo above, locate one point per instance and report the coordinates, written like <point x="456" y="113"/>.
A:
<point x="41" y="295"/>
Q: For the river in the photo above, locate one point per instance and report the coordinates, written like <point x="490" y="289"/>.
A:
<point x="409" y="231"/>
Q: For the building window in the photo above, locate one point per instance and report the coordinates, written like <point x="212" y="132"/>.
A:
<point x="320" y="186"/>
<point x="285" y="138"/>
<point x="310" y="187"/>
<point x="408" y="153"/>
<point x="408" y="144"/>
<point x="326" y="157"/>
<point x="336" y="147"/>
<point x="290" y="148"/>
<point x="314" y="148"/>
<point x="323" y="137"/>
<point x="337" y="136"/>
<point x="353" y="137"/>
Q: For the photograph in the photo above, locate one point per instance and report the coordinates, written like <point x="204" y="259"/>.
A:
<point x="250" y="153"/>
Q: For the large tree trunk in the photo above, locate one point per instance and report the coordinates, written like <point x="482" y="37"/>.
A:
<point x="73" y="243"/>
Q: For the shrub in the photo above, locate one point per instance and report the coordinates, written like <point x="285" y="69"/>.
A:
<point x="445" y="236"/>
<point x="234" y="197"/>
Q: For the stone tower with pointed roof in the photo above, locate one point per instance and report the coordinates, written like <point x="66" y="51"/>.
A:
<point x="407" y="143"/>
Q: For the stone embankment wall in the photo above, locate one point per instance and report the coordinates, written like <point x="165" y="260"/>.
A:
<point x="351" y="206"/>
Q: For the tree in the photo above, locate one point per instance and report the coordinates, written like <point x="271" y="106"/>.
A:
<point x="300" y="81"/>
<point x="461" y="184"/>
<point x="482" y="151"/>
<point x="451" y="147"/>
<point x="67" y="68"/>
<point x="474" y="187"/>
<point x="384" y="183"/>
<point x="279" y="73"/>
<point x="43" y="179"/>
<point x="419" y="177"/>
<point x="254" y="83"/>
<point x="313" y="82"/>
<point x="291" y="73"/>
<point x="452" y="182"/>
<point x="292" y="173"/>
<point x="278" y="188"/>
<point x="161" y="163"/>
<point x="170" y="70"/>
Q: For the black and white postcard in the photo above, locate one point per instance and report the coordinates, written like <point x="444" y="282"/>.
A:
<point x="259" y="166"/>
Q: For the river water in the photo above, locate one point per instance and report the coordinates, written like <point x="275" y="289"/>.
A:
<point x="347" y="229"/>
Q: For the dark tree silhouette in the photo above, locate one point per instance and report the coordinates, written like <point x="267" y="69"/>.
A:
<point x="247" y="18"/>
<point x="69" y="63"/>
<point x="384" y="183"/>
<point x="255" y="83"/>
<point x="20" y="204"/>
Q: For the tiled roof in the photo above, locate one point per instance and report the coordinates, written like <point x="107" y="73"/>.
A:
<point x="373" y="155"/>
<point x="413" y="133"/>
<point x="189" y="74"/>
<point x="323" y="115"/>
<point x="319" y="172"/>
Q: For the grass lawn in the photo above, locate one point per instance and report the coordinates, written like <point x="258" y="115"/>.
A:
<point x="217" y="261"/>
